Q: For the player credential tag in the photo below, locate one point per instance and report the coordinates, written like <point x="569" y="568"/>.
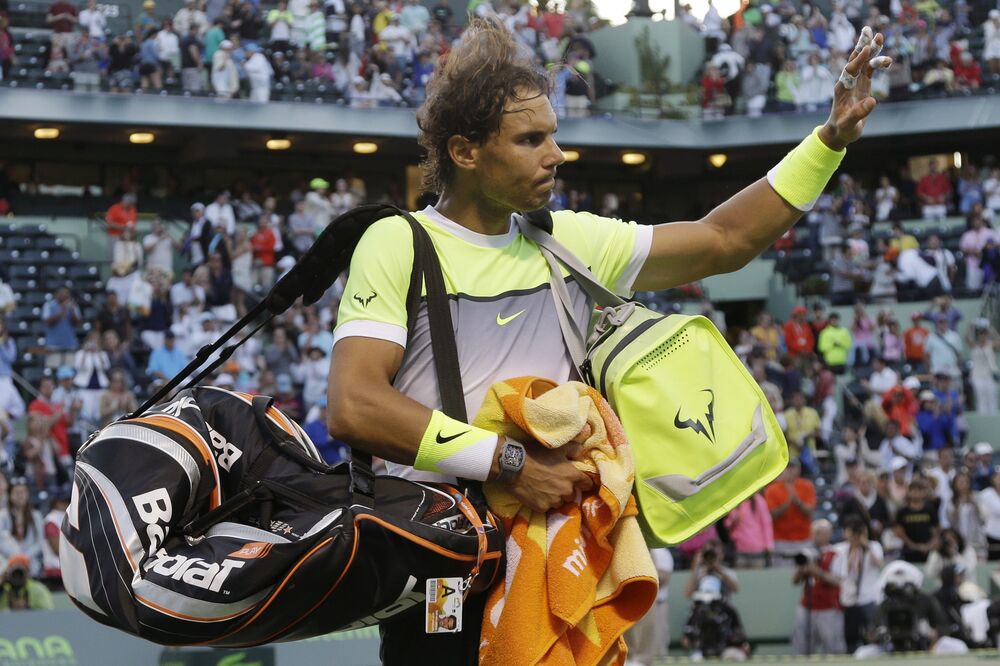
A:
<point x="444" y="605"/>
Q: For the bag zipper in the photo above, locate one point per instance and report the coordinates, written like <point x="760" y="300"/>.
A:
<point x="624" y="342"/>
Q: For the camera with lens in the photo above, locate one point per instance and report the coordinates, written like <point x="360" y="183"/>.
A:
<point x="805" y="557"/>
<point x="17" y="577"/>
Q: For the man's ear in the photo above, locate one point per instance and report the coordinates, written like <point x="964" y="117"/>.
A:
<point x="463" y="152"/>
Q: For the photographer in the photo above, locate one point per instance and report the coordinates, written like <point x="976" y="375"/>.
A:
<point x="907" y="619"/>
<point x="708" y="563"/>
<point x="857" y="563"/>
<point x="819" y="622"/>
<point x="18" y="591"/>
<point x="713" y="628"/>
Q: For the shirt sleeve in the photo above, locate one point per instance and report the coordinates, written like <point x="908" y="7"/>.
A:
<point x="374" y="302"/>
<point x="615" y="251"/>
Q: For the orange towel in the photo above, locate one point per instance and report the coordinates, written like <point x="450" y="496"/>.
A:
<point x="580" y="576"/>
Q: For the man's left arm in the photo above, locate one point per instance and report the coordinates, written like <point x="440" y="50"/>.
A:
<point x="742" y="227"/>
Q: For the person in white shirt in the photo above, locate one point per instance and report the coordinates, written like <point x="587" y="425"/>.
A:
<point x="336" y="20"/>
<point x="191" y="15"/>
<point x="647" y="640"/>
<point x="186" y="293"/>
<point x="815" y="84"/>
<point x="943" y="260"/>
<point x="260" y="73"/>
<point x="912" y="270"/>
<point x="711" y="25"/>
<point x="886" y="197"/>
<point x="92" y="21"/>
<point x="220" y="213"/>
<point x="972" y="244"/>
<point x="989" y="509"/>
<point x="944" y="349"/>
<point x="991" y="42"/>
<point x="168" y="47"/>
<point x="895" y="449"/>
<point x="225" y="75"/>
<point x="342" y="198"/>
<point x="159" y="248"/>
<point x="318" y="204"/>
<point x="857" y="563"/>
<point x="400" y="41"/>
<point x="991" y="187"/>
<point x="842" y="33"/>
<point x="416" y="17"/>
<point x="882" y="378"/>
<point x="943" y="472"/>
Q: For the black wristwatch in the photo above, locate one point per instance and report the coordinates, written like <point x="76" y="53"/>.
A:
<point x="511" y="460"/>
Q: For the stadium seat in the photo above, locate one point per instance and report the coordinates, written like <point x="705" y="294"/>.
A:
<point x="18" y="271"/>
<point x="34" y="298"/>
<point x="34" y="374"/>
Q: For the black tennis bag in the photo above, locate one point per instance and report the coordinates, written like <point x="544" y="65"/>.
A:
<point x="211" y="519"/>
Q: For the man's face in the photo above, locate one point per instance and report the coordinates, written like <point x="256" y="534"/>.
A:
<point x="515" y="169"/>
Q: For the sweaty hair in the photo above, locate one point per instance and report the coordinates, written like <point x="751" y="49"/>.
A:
<point x="468" y="92"/>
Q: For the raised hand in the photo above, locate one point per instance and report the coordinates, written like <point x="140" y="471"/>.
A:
<point x="852" y="101"/>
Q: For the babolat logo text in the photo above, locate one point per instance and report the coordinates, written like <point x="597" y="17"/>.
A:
<point x="154" y="509"/>
<point x="193" y="571"/>
<point x="225" y="452"/>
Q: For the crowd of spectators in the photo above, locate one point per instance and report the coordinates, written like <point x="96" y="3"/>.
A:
<point x="368" y="53"/>
<point x="887" y="476"/>
<point x="766" y="58"/>
<point x="782" y="56"/>
<point x="884" y="266"/>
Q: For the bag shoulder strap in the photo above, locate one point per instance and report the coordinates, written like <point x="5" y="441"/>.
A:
<point x="425" y="274"/>
<point x="537" y="226"/>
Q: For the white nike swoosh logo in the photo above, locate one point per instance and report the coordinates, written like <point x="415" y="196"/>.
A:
<point x="503" y="321"/>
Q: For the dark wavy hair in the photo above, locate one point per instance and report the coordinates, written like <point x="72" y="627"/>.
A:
<point x="468" y="92"/>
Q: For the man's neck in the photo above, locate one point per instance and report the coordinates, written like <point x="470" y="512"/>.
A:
<point x="474" y="213"/>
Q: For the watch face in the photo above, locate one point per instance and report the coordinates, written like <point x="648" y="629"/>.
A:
<point x="513" y="457"/>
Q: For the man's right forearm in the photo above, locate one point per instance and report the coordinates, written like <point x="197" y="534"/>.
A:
<point x="381" y="421"/>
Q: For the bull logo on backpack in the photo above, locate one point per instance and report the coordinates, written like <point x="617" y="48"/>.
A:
<point x="704" y="421"/>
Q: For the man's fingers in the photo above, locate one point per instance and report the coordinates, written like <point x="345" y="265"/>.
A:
<point x="854" y="65"/>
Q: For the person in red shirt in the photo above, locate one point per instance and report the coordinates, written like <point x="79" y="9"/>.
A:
<point x="266" y="244"/>
<point x="900" y="406"/>
<point x="62" y="18"/>
<point x="819" y="620"/>
<point x="933" y="192"/>
<point x="121" y="216"/>
<point x="714" y="99"/>
<point x="791" y="500"/>
<point x="798" y="333"/>
<point x="52" y="416"/>
<point x="968" y="73"/>
<point x="915" y="341"/>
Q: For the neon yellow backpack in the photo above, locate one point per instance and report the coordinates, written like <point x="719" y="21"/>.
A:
<point x="702" y="433"/>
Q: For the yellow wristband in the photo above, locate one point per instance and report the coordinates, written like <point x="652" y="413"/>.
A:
<point x="802" y="175"/>
<point x="455" y="448"/>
